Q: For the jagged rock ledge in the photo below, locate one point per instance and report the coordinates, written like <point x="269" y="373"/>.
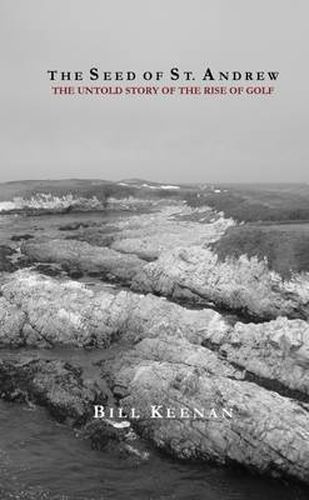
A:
<point x="191" y="275"/>
<point x="154" y="354"/>
<point x="244" y="285"/>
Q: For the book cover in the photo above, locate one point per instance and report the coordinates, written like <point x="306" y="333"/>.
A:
<point x="154" y="270"/>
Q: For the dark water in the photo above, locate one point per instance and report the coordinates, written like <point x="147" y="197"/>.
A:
<point x="41" y="459"/>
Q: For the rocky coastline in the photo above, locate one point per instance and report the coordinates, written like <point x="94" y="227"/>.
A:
<point x="159" y="337"/>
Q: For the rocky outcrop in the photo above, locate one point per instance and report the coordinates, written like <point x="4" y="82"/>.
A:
<point x="38" y="311"/>
<point x="44" y="312"/>
<point x="190" y="364"/>
<point x="184" y="268"/>
<point x="204" y="387"/>
<point x="191" y="404"/>
<point x="55" y="384"/>
<point x="42" y="203"/>
<point x="241" y="285"/>
<point x="142" y="237"/>
<point x="77" y="255"/>
<point x="277" y="351"/>
<point x="12" y="321"/>
<point x="148" y="235"/>
<point x="70" y="398"/>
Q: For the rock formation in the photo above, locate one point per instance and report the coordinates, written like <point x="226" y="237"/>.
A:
<point x="172" y="386"/>
<point x="192" y="365"/>
<point x="40" y="311"/>
<point x="228" y="392"/>
<point x="242" y="285"/>
<point x="76" y="255"/>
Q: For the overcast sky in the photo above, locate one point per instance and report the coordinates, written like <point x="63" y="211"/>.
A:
<point x="170" y="139"/>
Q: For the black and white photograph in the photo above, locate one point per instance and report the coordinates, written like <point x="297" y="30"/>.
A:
<point x="154" y="250"/>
